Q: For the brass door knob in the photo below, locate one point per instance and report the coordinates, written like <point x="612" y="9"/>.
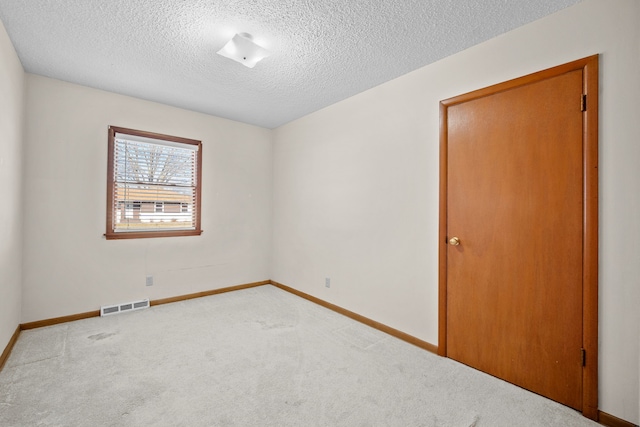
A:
<point x="454" y="241"/>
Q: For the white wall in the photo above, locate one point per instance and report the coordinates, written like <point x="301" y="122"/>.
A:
<point x="356" y="185"/>
<point x="11" y="131"/>
<point x="68" y="265"/>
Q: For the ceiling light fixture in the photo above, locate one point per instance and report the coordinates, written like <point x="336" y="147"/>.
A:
<point x="242" y="49"/>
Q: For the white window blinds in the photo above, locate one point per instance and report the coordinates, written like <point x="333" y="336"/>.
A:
<point x="155" y="185"/>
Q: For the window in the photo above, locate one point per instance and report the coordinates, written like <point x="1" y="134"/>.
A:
<point x="153" y="185"/>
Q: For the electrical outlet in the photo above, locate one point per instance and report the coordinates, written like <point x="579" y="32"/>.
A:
<point x="327" y="282"/>
<point x="149" y="280"/>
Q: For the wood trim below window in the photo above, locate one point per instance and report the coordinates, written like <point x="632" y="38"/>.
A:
<point x="151" y="234"/>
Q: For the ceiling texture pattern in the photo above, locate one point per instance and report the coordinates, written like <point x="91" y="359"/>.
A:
<point x="323" y="51"/>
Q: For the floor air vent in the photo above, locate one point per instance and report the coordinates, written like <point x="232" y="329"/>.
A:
<point x="106" y="310"/>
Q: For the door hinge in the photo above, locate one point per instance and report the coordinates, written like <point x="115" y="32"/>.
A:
<point x="583" y="356"/>
<point x="583" y="102"/>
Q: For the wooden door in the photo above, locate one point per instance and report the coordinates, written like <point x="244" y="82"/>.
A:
<point x="515" y="198"/>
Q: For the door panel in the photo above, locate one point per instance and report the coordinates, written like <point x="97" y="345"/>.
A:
<point x="515" y="200"/>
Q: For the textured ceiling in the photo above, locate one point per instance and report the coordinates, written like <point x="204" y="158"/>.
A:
<point x="323" y="50"/>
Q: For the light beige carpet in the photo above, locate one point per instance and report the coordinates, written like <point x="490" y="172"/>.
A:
<point x="256" y="357"/>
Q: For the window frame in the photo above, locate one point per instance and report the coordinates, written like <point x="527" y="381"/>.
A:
<point x="111" y="234"/>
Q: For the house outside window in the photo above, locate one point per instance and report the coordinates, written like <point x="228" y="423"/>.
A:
<point x="153" y="185"/>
